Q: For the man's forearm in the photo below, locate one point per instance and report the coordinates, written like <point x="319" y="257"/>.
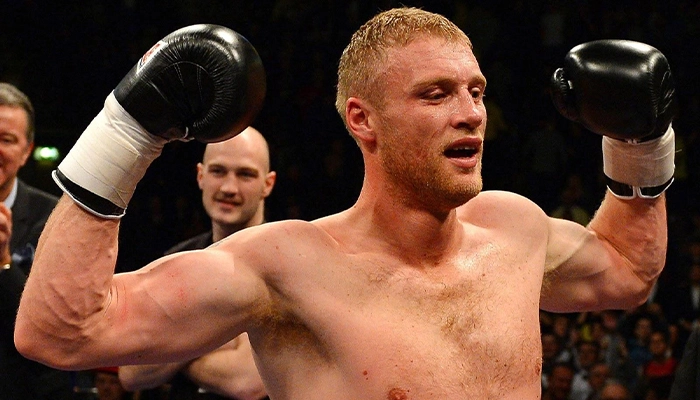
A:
<point x="63" y="301"/>
<point x="637" y="229"/>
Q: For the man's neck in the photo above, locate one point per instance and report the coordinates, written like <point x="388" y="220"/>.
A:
<point x="414" y="232"/>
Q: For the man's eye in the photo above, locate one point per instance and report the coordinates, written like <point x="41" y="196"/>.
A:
<point x="248" y="174"/>
<point x="434" y="95"/>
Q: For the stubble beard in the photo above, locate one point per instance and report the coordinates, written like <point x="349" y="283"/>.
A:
<point x="428" y="184"/>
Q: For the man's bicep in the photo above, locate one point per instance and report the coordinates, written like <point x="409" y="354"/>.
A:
<point x="163" y="306"/>
<point x="576" y="261"/>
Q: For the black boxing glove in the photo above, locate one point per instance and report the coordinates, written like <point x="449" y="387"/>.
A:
<point x="624" y="91"/>
<point x="203" y="82"/>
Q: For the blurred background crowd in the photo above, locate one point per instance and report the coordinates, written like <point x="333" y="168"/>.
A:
<point x="67" y="58"/>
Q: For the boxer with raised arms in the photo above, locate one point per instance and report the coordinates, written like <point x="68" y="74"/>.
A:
<point x="426" y="288"/>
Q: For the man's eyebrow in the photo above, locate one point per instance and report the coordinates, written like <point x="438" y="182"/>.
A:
<point x="247" y="169"/>
<point x="479" y="80"/>
<point x="425" y="84"/>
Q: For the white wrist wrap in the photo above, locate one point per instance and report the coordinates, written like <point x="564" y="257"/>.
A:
<point x="112" y="154"/>
<point x="645" y="164"/>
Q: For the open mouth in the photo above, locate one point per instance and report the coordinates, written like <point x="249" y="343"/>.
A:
<point x="461" y="152"/>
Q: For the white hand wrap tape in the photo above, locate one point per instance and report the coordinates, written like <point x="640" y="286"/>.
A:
<point x="112" y="154"/>
<point x="644" y="164"/>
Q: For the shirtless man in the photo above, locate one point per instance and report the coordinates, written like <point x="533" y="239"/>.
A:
<point x="424" y="289"/>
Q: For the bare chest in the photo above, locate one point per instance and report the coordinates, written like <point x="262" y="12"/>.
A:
<point x="469" y="327"/>
<point x="473" y="329"/>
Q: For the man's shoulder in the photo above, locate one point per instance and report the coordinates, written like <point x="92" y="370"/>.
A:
<point x="498" y="202"/>
<point x="286" y="237"/>
<point x="507" y="213"/>
<point x="285" y="227"/>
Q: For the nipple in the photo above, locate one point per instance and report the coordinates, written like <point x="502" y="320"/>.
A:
<point x="397" y="394"/>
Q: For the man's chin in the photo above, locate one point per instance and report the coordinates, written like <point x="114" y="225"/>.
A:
<point x="466" y="193"/>
<point x="229" y="216"/>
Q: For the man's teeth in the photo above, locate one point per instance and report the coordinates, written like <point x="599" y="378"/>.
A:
<point x="461" y="151"/>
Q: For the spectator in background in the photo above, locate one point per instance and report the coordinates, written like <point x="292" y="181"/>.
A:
<point x="598" y="377"/>
<point x="587" y="355"/>
<point x="235" y="179"/>
<point x="615" y="391"/>
<point x="500" y="141"/>
<point x="614" y="348"/>
<point x="23" y="213"/>
<point x="545" y="157"/>
<point x="108" y="386"/>
<point x="638" y="343"/>
<point x="553" y="353"/>
<point x="570" y="206"/>
<point x="560" y="325"/>
<point x="659" y="371"/>
<point x="560" y="380"/>
<point x="686" y="310"/>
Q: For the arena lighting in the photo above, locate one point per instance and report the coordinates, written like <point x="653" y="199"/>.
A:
<point x="46" y="153"/>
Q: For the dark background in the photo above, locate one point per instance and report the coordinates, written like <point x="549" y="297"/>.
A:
<point x="67" y="56"/>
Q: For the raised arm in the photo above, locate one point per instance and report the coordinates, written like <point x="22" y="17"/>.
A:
<point x="204" y="82"/>
<point x="622" y="90"/>
<point x="611" y="264"/>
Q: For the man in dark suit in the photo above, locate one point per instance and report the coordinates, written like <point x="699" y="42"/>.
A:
<point x="23" y="213"/>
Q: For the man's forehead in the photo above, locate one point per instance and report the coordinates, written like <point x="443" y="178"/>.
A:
<point x="8" y="112"/>
<point x="229" y="149"/>
<point x="234" y="158"/>
<point x="238" y="166"/>
<point x="434" y="69"/>
<point x="429" y="55"/>
<point x="425" y="43"/>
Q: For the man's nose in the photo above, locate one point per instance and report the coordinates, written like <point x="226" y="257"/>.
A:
<point x="470" y="112"/>
<point x="230" y="184"/>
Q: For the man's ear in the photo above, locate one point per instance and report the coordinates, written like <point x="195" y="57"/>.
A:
<point x="27" y="153"/>
<point x="270" y="180"/>
<point x="358" y="114"/>
<point x="200" y="174"/>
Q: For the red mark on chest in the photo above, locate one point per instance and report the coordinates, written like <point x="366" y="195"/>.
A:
<point x="397" y="394"/>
